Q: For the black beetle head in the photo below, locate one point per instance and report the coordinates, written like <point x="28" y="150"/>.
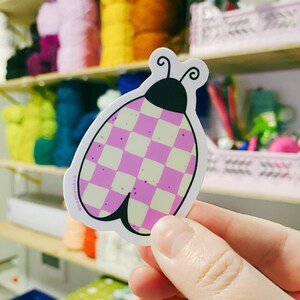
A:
<point x="169" y="93"/>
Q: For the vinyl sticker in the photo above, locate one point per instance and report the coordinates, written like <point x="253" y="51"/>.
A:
<point x="145" y="155"/>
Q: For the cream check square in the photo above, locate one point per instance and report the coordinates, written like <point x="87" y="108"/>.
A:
<point x="178" y="159"/>
<point x="151" y="171"/>
<point x="87" y="170"/>
<point x="185" y="124"/>
<point x="162" y="201"/>
<point x="185" y="182"/>
<point x="137" y="144"/>
<point x="137" y="212"/>
<point x="110" y="157"/>
<point x="126" y="118"/>
<point x="104" y="213"/>
<point x="151" y="110"/>
<point x="123" y="183"/>
<point x="94" y="195"/>
<point x="104" y="133"/>
<point x="165" y="133"/>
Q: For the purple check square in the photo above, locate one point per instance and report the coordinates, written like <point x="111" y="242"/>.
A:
<point x="118" y="137"/>
<point x="136" y="104"/>
<point x="151" y="218"/>
<point x="103" y="176"/>
<point x="145" y="125"/>
<point x="143" y="191"/>
<point x="158" y="152"/>
<point x="185" y="140"/>
<point x="94" y="152"/>
<point x="176" y="204"/>
<point x="172" y="117"/>
<point x="130" y="164"/>
<point x="170" y="180"/>
<point x="112" y="201"/>
<point x="192" y="165"/>
<point x="92" y="210"/>
<point x="113" y="118"/>
<point x="82" y="186"/>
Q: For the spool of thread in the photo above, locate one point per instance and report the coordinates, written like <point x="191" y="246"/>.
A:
<point x="74" y="234"/>
<point x="48" y="19"/>
<point x="89" y="244"/>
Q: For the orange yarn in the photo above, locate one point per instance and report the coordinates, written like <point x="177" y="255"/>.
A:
<point x="74" y="234"/>
<point x="158" y="15"/>
<point x="89" y="245"/>
<point x="155" y="22"/>
<point x="145" y="43"/>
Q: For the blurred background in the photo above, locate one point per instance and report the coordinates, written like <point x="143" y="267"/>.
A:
<point x="62" y="62"/>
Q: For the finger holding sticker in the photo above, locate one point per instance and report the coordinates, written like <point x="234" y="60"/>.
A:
<point x="144" y="157"/>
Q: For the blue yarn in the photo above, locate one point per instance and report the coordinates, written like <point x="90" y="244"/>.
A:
<point x="84" y="124"/>
<point x="69" y="114"/>
<point x="63" y="155"/>
<point x="131" y="81"/>
<point x="72" y="91"/>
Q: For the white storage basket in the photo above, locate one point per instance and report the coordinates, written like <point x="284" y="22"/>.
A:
<point x="214" y="32"/>
<point x="253" y="173"/>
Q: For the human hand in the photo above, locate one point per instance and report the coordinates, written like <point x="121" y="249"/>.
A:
<point x="219" y="254"/>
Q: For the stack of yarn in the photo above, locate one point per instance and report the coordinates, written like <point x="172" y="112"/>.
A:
<point x="48" y="23"/>
<point x="25" y="124"/>
<point x="116" y="32"/>
<point x="155" y="23"/>
<point x="71" y="98"/>
<point x="6" y="47"/>
<point x="79" y="34"/>
<point x="45" y="145"/>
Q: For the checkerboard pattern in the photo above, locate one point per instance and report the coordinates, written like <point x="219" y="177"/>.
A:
<point x="143" y="150"/>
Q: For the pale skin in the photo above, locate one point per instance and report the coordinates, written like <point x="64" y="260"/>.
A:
<point x="218" y="254"/>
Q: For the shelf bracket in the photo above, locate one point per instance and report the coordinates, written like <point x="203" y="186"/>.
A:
<point x="25" y="175"/>
<point x="9" y="97"/>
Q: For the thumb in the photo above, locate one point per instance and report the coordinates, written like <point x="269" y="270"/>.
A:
<point x="203" y="266"/>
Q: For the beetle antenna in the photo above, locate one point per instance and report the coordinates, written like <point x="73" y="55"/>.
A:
<point x="194" y="73"/>
<point x="161" y="61"/>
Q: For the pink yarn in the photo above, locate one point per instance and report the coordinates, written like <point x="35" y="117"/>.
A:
<point x="79" y="10"/>
<point x="73" y="58"/>
<point x="36" y="66"/>
<point x="284" y="144"/>
<point x="74" y="234"/>
<point x="80" y="33"/>
<point x="49" y="46"/>
<point x="48" y="19"/>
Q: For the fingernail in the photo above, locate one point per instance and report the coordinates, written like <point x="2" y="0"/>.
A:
<point x="170" y="234"/>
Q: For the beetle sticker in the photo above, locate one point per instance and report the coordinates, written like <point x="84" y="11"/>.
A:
<point x="144" y="157"/>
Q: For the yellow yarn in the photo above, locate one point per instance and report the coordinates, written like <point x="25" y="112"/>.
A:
<point x="25" y="124"/>
<point x="116" y="32"/>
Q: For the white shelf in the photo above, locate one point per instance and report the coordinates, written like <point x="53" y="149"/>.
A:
<point x="54" y="247"/>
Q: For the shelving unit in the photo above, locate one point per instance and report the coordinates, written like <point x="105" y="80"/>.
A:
<point x="54" y="247"/>
<point x="207" y="187"/>
<point x="268" y="59"/>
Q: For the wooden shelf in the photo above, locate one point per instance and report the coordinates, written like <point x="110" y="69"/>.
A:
<point x="21" y="9"/>
<point x="52" y="246"/>
<point x="21" y="167"/>
<point x="268" y="59"/>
